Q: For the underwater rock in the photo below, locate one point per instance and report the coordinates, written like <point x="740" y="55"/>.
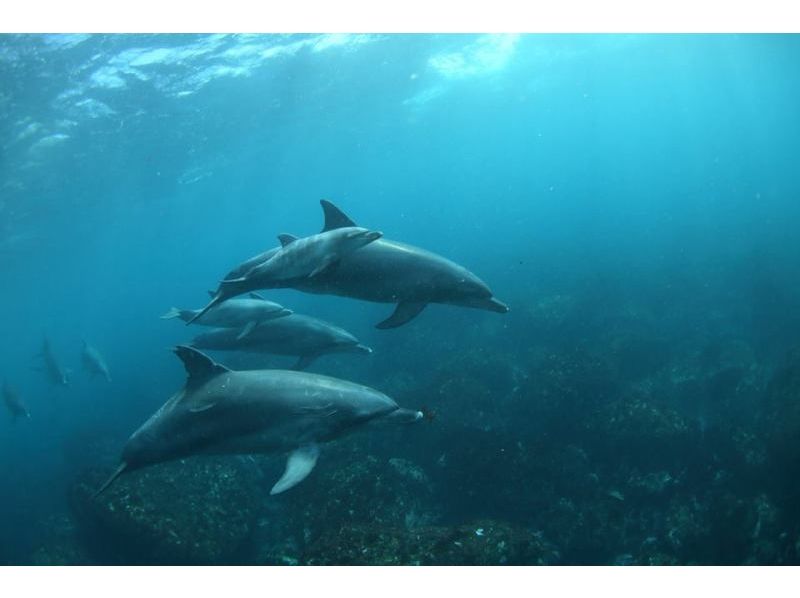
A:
<point x="639" y="431"/>
<point x="59" y="543"/>
<point x="483" y="542"/>
<point x="351" y="488"/>
<point x="781" y="419"/>
<point x="194" y="511"/>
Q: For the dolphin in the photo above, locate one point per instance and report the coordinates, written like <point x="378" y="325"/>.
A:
<point x="14" y="404"/>
<point x="244" y="313"/>
<point x="303" y="336"/>
<point x="93" y="362"/>
<point x="221" y="411"/>
<point x="307" y="257"/>
<point x="56" y="374"/>
<point x="383" y="271"/>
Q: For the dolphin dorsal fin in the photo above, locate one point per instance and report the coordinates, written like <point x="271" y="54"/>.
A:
<point x="334" y="217"/>
<point x="199" y="367"/>
<point x="286" y="239"/>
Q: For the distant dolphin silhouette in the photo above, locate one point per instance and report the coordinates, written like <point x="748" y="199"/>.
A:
<point x="383" y="271"/>
<point x="13" y="403"/>
<point x="55" y="373"/>
<point x="221" y="411"/>
<point x="93" y="362"/>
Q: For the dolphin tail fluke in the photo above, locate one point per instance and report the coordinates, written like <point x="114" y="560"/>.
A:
<point x="173" y="312"/>
<point x="403" y="313"/>
<point x="118" y="472"/>
<point x="300" y="463"/>
<point x="248" y="328"/>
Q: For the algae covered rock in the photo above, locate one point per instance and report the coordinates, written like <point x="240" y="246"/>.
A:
<point x="197" y="510"/>
<point x="781" y="420"/>
<point x="59" y="543"/>
<point x="640" y="430"/>
<point x="484" y="542"/>
<point x="353" y="488"/>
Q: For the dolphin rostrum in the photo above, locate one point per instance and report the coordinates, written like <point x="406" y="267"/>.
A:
<point x="221" y="411"/>
<point x="14" y="404"/>
<point x="93" y="362"/>
<point x="383" y="271"/>
<point x="55" y="373"/>
<point x="297" y="335"/>
<point x="244" y="313"/>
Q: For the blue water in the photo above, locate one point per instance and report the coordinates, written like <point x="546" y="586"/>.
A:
<point x="651" y="181"/>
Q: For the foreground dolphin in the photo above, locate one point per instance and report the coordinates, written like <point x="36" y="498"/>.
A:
<point x="383" y="271"/>
<point x="244" y="313"/>
<point x="55" y="373"/>
<point x="13" y="403"/>
<point x="93" y="362"/>
<point x="301" y="336"/>
<point x="221" y="411"/>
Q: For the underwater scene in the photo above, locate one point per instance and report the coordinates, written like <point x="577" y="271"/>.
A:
<point x="371" y="299"/>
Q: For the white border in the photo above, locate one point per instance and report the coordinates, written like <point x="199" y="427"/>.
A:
<point x="400" y="16"/>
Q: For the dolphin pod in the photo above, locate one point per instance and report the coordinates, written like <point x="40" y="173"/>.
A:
<point x="296" y="335"/>
<point x="221" y="411"/>
<point x="382" y="271"/>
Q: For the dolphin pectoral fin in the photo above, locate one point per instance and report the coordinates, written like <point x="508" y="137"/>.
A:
<point x="248" y="328"/>
<point x="404" y="312"/>
<point x="327" y="262"/>
<point x="303" y="362"/>
<point x="300" y="463"/>
<point x="334" y="217"/>
<point x="201" y="408"/>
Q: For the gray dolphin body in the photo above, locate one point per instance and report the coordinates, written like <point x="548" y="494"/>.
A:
<point x="297" y="335"/>
<point x="221" y="411"/>
<point x="244" y="313"/>
<point x="13" y="403"/>
<point x="309" y="256"/>
<point x="383" y="271"/>
<point x="55" y="373"/>
<point x="93" y="362"/>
